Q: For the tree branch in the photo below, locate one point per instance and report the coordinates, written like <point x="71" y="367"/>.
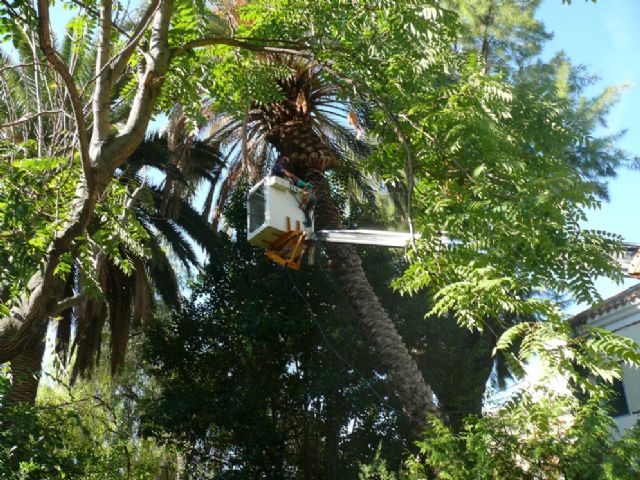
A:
<point x="30" y="117"/>
<point x="121" y="60"/>
<point x="102" y="94"/>
<point x="28" y="319"/>
<point x="243" y="44"/>
<point x="12" y="13"/>
<point x="44" y="30"/>
<point x="118" y="62"/>
<point x="23" y="65"/>
<point x="68" y="303"/>
<point x="149" y="84"/>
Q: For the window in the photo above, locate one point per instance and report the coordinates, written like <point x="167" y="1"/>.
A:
<point x="618" y="402"/>
<point x="256" y="205"/>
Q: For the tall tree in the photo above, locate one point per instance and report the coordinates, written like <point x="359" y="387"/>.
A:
<point x="510" y="40"/>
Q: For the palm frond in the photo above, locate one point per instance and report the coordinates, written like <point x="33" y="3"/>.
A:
<point x="143" y="305"/>
<point x="309" y="99"/>
<point x="176" y="240"/>
<point x="63" y="332"/>
<point x="163" y="275"/>
<point x="90" y="320"/>
<point x="119" y="295"/>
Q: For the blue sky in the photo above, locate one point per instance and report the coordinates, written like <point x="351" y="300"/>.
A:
<point x="605" y="37"/>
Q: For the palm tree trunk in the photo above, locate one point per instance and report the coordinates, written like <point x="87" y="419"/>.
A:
<point x="416" y="396"/>
<point x="25" y="369"/>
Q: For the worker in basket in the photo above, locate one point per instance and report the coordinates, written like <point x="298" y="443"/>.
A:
<point x="279" y="171"/>
<point x="307" y="199"/>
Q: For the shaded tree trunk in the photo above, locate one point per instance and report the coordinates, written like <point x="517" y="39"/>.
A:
<point x="457" y="363"/>
<point x="25" y="369"/>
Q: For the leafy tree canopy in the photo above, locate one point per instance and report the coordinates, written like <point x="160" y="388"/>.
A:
<point x="486" y="161"/>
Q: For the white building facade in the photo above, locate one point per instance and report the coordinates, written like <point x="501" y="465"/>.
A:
<point x="621" y="315"/>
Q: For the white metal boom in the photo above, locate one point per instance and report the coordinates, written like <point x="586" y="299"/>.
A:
<point x="629" y="261"/>
<point x="363" y="237"/>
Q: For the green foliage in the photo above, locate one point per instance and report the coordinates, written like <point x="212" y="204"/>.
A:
<point x="536" y="435"/>
<point x="35" y="197"/>
<point x="511" y="207"/>
<point x="502" y="159"/>
<point x="505" y="32"/>
<point x="38" y="442"/>
<point x="488" y="153"/>
<point x="280" y="381"/>
<point x="548" y="437"/>
<point x="35" y="444"/>
<point x="87" y="432"/>
<point x="584" y="359"/>
<point x="120" y="234"/>
<point x="377" y="470"/>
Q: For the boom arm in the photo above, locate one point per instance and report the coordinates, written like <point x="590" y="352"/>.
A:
<point x="629" y="261"/>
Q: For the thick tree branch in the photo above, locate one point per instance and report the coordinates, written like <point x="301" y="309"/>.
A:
<point x="121" y="60"/>
<point x="44" y="30"/>
<point x="28" y="320"/>
<point x="102" y="94"/>
<point x="149" y="85"/>
<point x="243" y="44"/>
<point x="118" y="63"/>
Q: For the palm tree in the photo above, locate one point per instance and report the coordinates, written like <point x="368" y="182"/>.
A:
<point x="128" y="298"/>
<point x="306" y="134"/>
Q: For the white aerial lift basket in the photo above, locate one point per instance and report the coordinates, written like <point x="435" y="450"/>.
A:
<point x="273" y="210"/>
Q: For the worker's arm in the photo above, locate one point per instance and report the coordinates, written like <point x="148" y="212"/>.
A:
<point x="296" y="180"/>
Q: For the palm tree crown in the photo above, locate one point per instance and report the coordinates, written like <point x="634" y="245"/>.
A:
<point x="309" y="112"/>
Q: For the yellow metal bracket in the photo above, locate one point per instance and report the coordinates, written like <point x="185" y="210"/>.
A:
<point x="288" y="249"/>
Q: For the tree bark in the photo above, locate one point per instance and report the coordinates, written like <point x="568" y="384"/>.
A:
<point x="100" y="158"/>
<point x="416" y="396"/>
<point x="25" y="370"/>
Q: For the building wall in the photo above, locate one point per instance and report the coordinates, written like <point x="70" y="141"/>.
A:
<point x="625" y="321"/>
